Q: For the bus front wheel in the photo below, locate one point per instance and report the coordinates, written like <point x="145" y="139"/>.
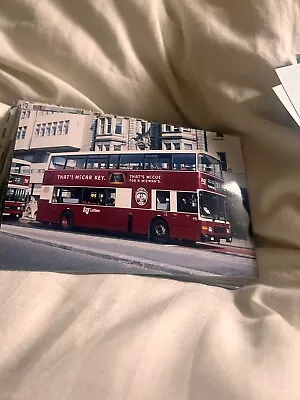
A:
<point x="66" y="221"/>
<point x="159" y="231"/>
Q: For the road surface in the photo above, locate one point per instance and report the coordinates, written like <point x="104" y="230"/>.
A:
<point x="33" y="247"/>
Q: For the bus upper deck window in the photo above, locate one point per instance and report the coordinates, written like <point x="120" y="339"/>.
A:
<point x="114" y="161"/>
<point x="131" y="161"/>
<point x="158" y="161"/>
<point x="184" y="162"/>
<point x="77" y="162"/>
<point x="97" y="162"/>
<point x="25" y="169"/>
<point x="57" y="162"/>
<point x="210" y="165"/>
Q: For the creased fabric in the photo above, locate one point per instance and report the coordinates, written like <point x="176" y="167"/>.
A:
<point x="207" y="63"/>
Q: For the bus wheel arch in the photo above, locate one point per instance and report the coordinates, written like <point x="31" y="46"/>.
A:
<point x="159" y="230"/>
<point x="66" y="220"/>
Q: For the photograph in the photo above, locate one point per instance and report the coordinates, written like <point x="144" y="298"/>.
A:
<point x="101" y="193"/>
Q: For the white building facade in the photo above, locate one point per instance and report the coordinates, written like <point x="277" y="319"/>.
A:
<point x="229" y="150"/>
<point x="115" y="133"/>
<point x="47" y="129"/>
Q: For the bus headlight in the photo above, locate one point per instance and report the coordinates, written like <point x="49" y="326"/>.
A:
<point x="228" y="230"/>
<point x="210" y="229"/>
<point x="18" y="208"/>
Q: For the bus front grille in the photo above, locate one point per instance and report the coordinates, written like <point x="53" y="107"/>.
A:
<point x="220" y="229"/>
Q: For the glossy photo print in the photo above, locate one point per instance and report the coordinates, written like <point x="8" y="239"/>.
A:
<point x="100" y="193"/>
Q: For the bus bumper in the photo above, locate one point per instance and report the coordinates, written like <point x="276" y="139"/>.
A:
<point x="216" y="238"/>
<point x="207" y="238"/>
<point x="13" y="212"/>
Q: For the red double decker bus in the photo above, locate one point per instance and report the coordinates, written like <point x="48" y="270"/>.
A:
<point x="161" y="194"/>
<point x="17" y="188"/>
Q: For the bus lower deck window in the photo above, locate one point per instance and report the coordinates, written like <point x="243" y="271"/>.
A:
<point x="163" y="200"/>
<point x="187" y="202"/>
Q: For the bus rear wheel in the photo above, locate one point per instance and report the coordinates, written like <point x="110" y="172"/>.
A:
<point x="66" y="221"/>
<point x="159" y="231"/>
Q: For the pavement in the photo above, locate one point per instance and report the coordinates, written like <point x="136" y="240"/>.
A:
<point x="41" y="248"/>
<point x="238" y="247"/>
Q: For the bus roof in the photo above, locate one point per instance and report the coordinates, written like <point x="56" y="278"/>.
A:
<point x="84" y="153"/>
<point x="22" y="162"/>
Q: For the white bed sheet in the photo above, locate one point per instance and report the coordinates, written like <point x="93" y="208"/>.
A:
<point x="209" y="63"/>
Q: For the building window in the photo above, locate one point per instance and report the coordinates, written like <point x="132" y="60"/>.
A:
<point x="66" y="127"/>
<point x="19" y="133"/>
<point x="163" y="200"/>
<point x="177" y="128"/>
<point x="101" y="122"/>
<point x="188" y="146"/>
<point x="3" y="133"/>
<point x="109" y="125"/>
<point x="117" y="147"/>
<point x="27" y="113"/>
<point x="168" y="146"/>
<point x="118" y="128"/>
<point x="59" y="127"/>
<point x="103" y="147"/>
<point x="143" y="126"/>
<point x="23" y="114"/>
<point x="186" y="129"/>
<point x="24" y="131"/>
<point x="223" y="159"/>
<point x="48" y="129"/>
<point x="37" y="129"/>
<point x="43" y="128"/>
<point x="176" y="146"/>
<point x="54" y="127"/>
<point x="168" y="128"/>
